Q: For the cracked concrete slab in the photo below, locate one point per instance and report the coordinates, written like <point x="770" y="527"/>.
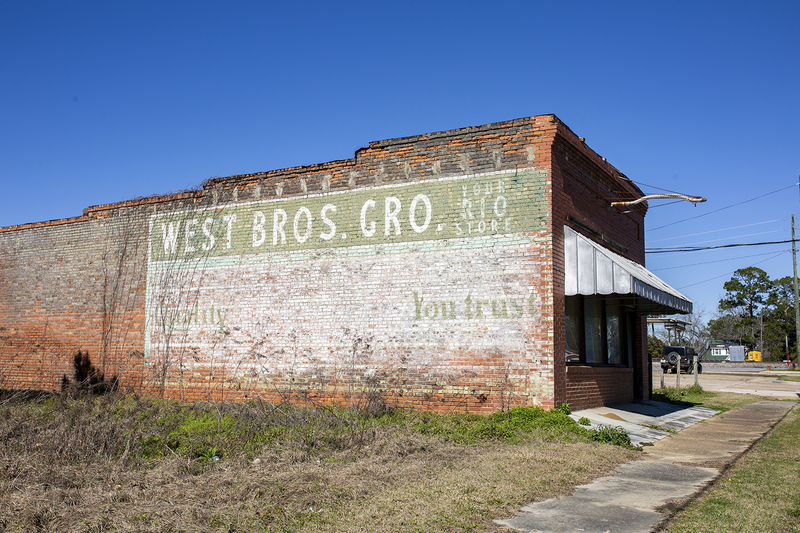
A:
<point x="624" y="502"/>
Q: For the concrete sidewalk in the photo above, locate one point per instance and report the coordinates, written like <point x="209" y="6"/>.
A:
<point x="673" y="469"/>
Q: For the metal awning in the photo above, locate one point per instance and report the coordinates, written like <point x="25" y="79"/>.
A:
<point x="591" y="269"/>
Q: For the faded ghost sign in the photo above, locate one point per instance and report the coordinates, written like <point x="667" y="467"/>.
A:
<point x="413" y="275"/>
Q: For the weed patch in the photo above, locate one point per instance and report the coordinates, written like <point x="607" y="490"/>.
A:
<point x="512" y="427"/>
<point x="612" y="435"/>
<point x="111" y="462"/>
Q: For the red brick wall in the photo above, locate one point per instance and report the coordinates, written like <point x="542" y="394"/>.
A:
<point x="589" y="386"/>
<point x="323" y="325"/>
<point x="584" y="184"/>
<point x="52" y="303"/>
<point x="57" y="279"/>
<point x="76" y="285"/>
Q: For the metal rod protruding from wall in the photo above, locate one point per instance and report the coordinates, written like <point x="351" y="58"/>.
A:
<point x="693" y="199"/>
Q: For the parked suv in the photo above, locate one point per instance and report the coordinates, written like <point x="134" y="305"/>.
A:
<point x="684" y="354"/>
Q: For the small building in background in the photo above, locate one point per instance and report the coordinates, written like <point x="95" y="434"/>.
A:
<point x="719" y="350"/>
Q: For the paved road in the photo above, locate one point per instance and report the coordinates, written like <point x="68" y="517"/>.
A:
<point x="762" y="383"/>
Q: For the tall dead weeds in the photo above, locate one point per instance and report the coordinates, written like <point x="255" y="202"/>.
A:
<point x="128" y="463"/>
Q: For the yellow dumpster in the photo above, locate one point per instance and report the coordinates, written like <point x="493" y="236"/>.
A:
<point x="754" y="356"/>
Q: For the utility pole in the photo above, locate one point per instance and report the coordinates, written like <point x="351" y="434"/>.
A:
<point x="796" y="302"/>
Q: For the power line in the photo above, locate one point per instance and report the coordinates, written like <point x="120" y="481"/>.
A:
<point x="664" y="205"/>
<point x="773" y="254"/>
<point x="723" y="208"/>
<point x="654" y="187"/>
<point x="727" y="274"/>
<point x="737" y="237"/>
<point x="701" y="248"/>
<point x="718" y="230"/>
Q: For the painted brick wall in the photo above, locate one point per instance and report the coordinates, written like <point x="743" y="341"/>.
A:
<point x="424" y="271"/>
<point x="421" y="279"/>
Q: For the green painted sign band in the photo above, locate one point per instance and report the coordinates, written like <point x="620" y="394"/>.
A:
<point x="465" y="207"/>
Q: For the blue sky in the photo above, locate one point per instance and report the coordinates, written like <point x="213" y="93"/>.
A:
<point x="106" y="101"/>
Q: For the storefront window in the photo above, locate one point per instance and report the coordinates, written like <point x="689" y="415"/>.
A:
<point x="574" y="324"/>
<point x="614" y="337"/>
<point x="593" y="326"/>
<point x="599" y="331"/>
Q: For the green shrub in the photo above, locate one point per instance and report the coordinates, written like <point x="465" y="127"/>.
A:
<point x="564" y="408"/>
<point x="683" y="395"/>
<point x="694" y="389"/>
<point x="612" y="435"/>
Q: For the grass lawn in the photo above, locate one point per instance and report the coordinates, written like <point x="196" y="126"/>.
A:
<point x="695" y="395"/>
<point x="117" y="463"/>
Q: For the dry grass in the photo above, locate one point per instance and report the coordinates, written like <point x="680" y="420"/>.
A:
<point x="113" y="464"/>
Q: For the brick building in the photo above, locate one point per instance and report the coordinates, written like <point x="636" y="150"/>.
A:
<point x="471" y="269"/>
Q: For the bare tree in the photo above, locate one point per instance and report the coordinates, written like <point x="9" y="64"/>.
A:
<point x="696" y="333"/>
<point x="690" y="330"/>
